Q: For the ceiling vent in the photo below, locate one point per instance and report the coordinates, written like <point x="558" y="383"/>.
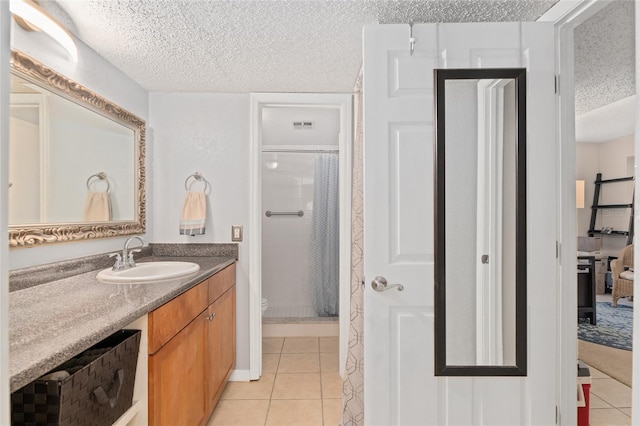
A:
<point x="302" y="125"/>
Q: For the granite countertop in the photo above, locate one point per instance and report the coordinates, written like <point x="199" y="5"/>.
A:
<point x="52" y="322"/>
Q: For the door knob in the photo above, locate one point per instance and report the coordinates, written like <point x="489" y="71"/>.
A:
<point x="380" y="284"/>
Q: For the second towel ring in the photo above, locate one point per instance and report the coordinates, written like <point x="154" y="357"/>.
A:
<point x="101" y="176"/>
<point x="198" y="177"/>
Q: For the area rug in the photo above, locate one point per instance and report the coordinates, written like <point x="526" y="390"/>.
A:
<point x="614" y="326"/>
<point x="613" y="362"/>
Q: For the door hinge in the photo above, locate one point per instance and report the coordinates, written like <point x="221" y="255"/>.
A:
<point x="556" y="82"/>
<point x="557" y="415"/>
<point x="557" y="250"/>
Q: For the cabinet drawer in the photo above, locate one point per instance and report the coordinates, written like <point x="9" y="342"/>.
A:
<point x="166" y="321"/>
<point x="221" y="282"/>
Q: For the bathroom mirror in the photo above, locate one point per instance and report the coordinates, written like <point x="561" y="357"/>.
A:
<point x="480" y="224"/>
<point x="77" y="161"/>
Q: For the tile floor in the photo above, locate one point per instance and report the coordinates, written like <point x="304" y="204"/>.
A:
<point x="610" y="401"/>
<point x="300" y="385"/>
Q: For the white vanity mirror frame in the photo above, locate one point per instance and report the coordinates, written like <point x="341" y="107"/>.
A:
<point x="31" y="235"/>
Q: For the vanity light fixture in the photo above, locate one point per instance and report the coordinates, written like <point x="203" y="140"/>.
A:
<point x="31" y="17"/>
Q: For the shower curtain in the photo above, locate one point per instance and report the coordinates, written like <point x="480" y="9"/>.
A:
<point x="325" y="237"/>
<point x="353" y="386"/>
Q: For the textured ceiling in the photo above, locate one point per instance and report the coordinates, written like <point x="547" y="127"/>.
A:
<point x="255" y="46"/>
<point x="607" y="123"/>
<point x="240" y="46"/>
<point x="605" y="57"/>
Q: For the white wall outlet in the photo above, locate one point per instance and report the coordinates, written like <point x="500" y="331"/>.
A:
<point x="236" y="233"/>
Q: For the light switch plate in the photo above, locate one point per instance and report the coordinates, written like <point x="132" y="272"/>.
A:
<point x="236" y="233"/>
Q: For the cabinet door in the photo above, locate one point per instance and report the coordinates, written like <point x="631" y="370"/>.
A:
<point x="177" y="378"/>
<point x="221" y="344"/>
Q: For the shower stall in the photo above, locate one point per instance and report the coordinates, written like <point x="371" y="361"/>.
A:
<point x="300" y="215"/>
<point x="300" y="238"/>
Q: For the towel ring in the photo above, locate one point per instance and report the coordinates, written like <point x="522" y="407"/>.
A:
<point x="199" y="178"/>
<point x="101" y="176"/>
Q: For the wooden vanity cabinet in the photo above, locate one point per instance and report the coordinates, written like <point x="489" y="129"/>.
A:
<point x="192" y="351"/>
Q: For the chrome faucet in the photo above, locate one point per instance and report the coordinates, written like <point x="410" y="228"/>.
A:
<point x="127" y="256"/>
<point x="125" y="261"/>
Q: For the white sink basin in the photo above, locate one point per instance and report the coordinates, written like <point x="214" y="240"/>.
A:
<point x="148" y="273"/>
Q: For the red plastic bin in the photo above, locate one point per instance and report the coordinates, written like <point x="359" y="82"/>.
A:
<point x="584" y="393"/>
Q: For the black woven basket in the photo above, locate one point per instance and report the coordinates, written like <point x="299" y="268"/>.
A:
<point x="97" y="394"/>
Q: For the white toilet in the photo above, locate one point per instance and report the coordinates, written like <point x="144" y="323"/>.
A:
<point x="265" y="305"/>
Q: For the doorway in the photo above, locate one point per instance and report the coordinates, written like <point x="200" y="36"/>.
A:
<point x="567" y="18"/>
<point x="288" y="162"/>
<point x="605" y="157"/>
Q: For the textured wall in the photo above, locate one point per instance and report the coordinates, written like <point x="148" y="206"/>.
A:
<point x="208" y="133"/>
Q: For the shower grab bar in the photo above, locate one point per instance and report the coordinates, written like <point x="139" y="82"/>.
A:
<point x="269" y="213"/>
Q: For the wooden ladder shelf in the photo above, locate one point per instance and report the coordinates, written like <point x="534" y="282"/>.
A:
<point x="596" y="207"/>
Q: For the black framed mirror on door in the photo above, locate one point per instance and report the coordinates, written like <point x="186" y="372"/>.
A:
<point x="480" y="222"/>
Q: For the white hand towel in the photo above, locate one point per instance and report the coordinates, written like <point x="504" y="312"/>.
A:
<point x="194" y="214"/>
<point x="97" y="208"/>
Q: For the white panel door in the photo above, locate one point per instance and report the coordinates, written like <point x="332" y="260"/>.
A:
<point x="400" y="386"/>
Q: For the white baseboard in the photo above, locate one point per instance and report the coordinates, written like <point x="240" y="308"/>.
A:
<point x="240" y="376"/>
